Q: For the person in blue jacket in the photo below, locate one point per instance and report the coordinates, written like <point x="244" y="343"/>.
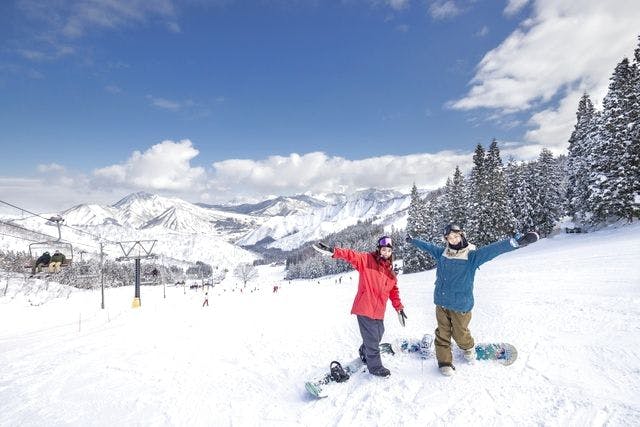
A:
<point x="457" y="263"/>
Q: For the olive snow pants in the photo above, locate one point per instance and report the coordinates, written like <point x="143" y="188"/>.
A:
<point x="371" y="331"/>
<point x="451" y="324"/>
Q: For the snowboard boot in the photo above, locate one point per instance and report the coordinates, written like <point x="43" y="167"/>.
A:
<point x="447" y="370"/>
<point x="361" y="353"/>
<point x="380" y="371"/>
<point x="469" y="355"/>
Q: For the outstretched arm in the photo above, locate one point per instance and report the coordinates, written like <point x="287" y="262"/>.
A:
<point x="430" y="248"/>
<point x="487" y="253"/>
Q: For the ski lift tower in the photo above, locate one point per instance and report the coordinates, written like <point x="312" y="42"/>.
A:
<point x="137" y="250"/>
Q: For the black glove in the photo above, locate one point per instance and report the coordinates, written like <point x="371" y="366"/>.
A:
<point x="323" y="249"/>
<point x="408" y="238"/>
<point x="402" y="317"/>
<point x="529" y="237"/>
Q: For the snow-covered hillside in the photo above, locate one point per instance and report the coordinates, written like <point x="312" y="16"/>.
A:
<point x="571" y="305"/>
<point x="190" y="232"/>
<point x="290" y="232"/>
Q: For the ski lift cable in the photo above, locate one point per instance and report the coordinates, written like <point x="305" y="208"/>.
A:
<point x="99" y="238"/>
<point x="52" y="238"/>
<point x="26" y="229"/>
<point x="19" y="237"/>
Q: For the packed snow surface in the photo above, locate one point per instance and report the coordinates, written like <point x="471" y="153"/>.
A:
<point x="570" y="304"/>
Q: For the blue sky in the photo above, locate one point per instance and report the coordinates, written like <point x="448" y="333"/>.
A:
<point x="219" y="100"/>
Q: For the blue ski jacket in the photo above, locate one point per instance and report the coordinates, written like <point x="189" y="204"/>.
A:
<point x="456" y="271"/>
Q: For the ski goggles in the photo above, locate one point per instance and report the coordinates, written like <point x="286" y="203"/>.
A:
<point x="385" y="241"/>
<point x="452" y="228"/>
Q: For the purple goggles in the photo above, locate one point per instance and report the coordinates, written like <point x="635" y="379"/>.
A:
<point x="385" y="241"/>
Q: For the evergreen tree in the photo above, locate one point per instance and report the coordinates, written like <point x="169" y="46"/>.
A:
<point x="634" y="131"/>
<point x="578" y="165"/>
<point x="612" y="173"/>
<point x="456" y="199"/>
<point x="477" y="194"/>
<point x="414" y="259"/>
<point x="519" y="179"/>
<point x="501" y="218"/>
<point x="490" y="217"/>
<point x="547" y="207"/>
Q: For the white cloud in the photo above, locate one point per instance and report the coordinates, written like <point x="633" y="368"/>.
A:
<point x="164" y="166"/>
<point x="317" y="172"/>
<point x="114" y="89"/>
<point x="514" y="6"/>
<point x="564" y="49"/>
<point x="444" y="9"/>
<point x="398" y="4"/>
<point x="51" y="168"/>
<point x="482" y="32"/>
<point x="165" y="104"/>
<point x="166" y="169"/>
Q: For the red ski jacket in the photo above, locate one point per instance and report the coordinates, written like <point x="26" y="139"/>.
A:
<point x="377" y="283"/>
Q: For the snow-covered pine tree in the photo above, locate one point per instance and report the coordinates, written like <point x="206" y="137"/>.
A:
<point x="436" y="218"/>
<point x="456" y="199"/>
<point x="578" y="161"/>
<point x="502" y="222"/>
<point x="634" y="131"/>
<point x="415" y="260"/>
<point x="520" y="190"/>
<point x="547" y="206"/>
<point x="612" y="171"/>
<point x="477" y="194"/>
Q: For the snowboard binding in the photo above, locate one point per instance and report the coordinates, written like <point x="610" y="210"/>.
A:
<point x="338" y="374"/>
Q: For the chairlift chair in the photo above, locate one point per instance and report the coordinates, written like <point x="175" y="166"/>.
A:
<point x="38" y="248"/>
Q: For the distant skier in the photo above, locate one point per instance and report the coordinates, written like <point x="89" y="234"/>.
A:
<point x="206" y="299"/>
<point x="457" y="263"/>
<point x="42" y="261"/>
<point x="377" y="284"/>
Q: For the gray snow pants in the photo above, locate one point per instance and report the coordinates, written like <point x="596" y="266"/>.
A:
<point x="371" y="331"/>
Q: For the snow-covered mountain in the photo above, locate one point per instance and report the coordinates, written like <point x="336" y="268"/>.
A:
<point x="212" y="234"/>
<point x="291" y="231"/>
<point x="285" y="222"/>
<point x="279" y="206"/>
<point x="148" y="211"/>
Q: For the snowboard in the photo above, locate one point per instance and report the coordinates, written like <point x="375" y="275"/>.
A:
<point x="503" y="353"/>
<point x="315" y="387"/>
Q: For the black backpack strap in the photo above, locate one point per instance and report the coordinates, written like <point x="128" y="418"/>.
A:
<point x="338" y="374"/>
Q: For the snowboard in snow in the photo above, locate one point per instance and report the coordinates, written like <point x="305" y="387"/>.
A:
<point x="503" y="353"/>
<point x="315" y="387"/>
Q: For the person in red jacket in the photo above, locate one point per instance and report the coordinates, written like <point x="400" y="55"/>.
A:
<point x="377" y="283"/>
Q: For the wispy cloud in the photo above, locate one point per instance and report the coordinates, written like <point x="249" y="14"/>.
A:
<point x="114" y="89"/>
<point x="482" y="32"/>
<point x="514" y="6"/>
<point x="56" y="25"/>
<point x="564" y="49"/>
<point x="165" y="104"/>
<point x="51" y="167"/>
<point x="444" y="9"/>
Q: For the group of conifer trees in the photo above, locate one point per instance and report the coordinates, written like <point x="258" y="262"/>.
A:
<point x="597" y="182"/>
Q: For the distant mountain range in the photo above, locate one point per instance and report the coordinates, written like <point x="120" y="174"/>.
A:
<point x="213" y="233"/>
<point x="284" y="222"/>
